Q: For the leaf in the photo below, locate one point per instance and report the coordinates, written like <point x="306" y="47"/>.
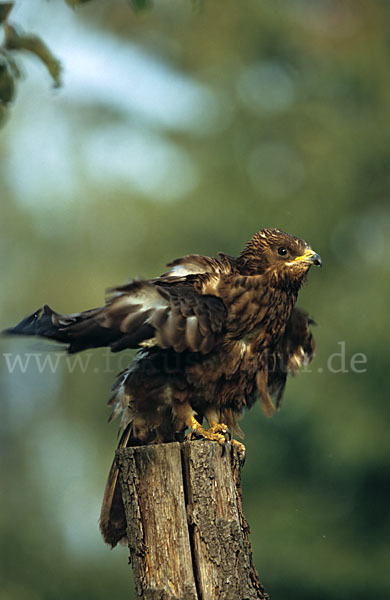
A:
<point x="33" y="44"/>
<point x="11" y="63"/>
<point x="5" y="9"/>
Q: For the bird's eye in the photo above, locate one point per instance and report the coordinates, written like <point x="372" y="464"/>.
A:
<point x="282" y="251"/>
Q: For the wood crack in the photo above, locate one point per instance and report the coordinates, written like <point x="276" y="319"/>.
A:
<point x="188" y="537"/>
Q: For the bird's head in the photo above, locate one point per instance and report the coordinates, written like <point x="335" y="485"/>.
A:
<point x="278" y="253"/>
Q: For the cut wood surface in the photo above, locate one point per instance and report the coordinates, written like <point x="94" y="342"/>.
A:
<point x="188" y="537"/>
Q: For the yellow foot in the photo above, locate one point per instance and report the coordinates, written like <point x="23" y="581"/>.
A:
<point x="240" y="449"/>
<point x="219" y="428"/>
<point x="216" y="433"/>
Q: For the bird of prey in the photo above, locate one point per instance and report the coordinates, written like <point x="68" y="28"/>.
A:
<point x="213" y="335"/>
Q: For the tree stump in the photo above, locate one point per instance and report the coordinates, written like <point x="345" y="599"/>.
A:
<point x="187" y="535"/>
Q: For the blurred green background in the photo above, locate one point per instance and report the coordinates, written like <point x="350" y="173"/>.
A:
<point x="184" y="131"/>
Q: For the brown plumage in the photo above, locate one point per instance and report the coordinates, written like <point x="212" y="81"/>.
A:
<point x="214" y="334"/>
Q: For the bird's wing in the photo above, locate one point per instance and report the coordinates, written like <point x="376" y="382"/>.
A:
<point x="167" y="314"/>
<point x="173" y="311"/>
<point x="192" y="264"/>
<point x="295" y="349"/>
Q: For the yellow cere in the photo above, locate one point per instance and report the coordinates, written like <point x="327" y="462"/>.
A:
<point x="306" y="256"/>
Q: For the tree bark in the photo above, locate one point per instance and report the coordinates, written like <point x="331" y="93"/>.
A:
<point x="188" y="537"/>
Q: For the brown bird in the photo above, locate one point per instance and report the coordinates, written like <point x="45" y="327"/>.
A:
<point x="214" y="334"/>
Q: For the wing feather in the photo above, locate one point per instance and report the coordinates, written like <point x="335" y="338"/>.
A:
<point x="295" y="349"/>
<point x="172" y="315"/>
<point x="177" y="312"/>
<point x="192" y="264"/>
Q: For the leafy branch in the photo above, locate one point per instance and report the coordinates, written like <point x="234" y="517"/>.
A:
<point x="16" y="41"/>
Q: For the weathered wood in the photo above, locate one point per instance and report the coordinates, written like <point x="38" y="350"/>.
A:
<point x="187" y="535"/>
<point x="152" y="490"/>
<point x="222" y="553"/>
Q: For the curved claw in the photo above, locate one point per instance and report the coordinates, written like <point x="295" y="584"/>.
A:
<point x="241" y="451"/>
<point x="216" y="433"/>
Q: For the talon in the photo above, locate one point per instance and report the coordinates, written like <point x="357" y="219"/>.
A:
<point x="216" y="433"/>
<point x="218" y="428"/>
<point x="241" y="451"/>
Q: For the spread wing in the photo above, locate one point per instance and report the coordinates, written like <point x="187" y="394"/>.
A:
<point x="167" y="312"/>
<point x="295" y="349"/>
<point x="168" y="315"/>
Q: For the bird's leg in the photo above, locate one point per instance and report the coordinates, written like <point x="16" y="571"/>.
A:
<point x="207" y="434"/>
<point x="215" y="426"/>
<point x="240" y="448"/>
<point x="217" y="432"/>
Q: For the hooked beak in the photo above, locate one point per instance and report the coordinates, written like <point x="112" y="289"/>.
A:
<point x="316" y="260"/>
<point x="311" y="257"/>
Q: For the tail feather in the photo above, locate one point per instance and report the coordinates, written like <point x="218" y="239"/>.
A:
<point x="112" y="516"/>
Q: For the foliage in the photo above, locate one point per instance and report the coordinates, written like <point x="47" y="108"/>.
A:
<point x="16" y="42"/>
